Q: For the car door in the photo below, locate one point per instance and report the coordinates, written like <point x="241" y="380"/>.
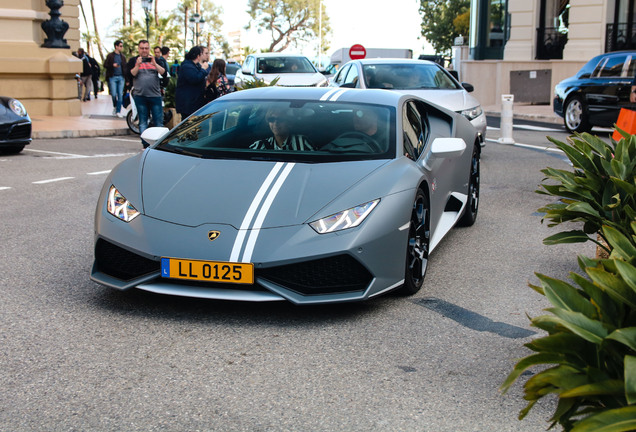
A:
<point x="607" y="90"/>
<point x="340" y="76"/>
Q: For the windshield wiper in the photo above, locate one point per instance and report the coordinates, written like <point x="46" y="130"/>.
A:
<point x="179" y="150"/>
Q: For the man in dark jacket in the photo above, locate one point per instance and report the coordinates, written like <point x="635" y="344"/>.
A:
<point x="191" y="83"/>
<point x="115" y="65"/>
<point x="86" y="75"/>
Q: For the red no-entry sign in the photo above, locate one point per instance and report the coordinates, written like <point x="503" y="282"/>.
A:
<point x="357" y="52"/>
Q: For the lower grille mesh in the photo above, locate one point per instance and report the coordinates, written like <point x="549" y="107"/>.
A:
<point x="337" y="274"/>
<point x="121" y="263"/>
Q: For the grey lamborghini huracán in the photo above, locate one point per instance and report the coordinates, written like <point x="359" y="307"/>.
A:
<point x="310" y="195"/>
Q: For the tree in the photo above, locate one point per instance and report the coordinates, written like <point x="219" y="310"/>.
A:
<point x="438" y="18"/>
<point x="288" y="21"/>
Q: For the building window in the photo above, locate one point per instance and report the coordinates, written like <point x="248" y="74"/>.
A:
<point x="621" y="34"/>
<point x="488" y="17"/>
<point x="552" y="33"/>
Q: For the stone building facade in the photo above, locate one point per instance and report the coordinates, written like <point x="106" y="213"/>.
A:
<point x="43" y="79"/>
<point x="514" y="42"/>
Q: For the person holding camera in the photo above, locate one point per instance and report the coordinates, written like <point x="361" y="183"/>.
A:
<point x="144" y="74"/>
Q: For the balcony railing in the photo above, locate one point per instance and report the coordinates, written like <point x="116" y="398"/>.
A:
<point x="550" y="43"/>
<point x="621" y="36"/>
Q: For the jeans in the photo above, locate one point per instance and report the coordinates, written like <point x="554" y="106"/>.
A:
<point x="147" y="105"/>
<point x="116" y="86"/>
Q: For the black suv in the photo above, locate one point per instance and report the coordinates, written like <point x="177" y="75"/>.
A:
<point x="595" y="95"/>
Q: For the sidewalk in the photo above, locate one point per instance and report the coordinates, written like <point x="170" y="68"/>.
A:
<point x="97" y="120"/>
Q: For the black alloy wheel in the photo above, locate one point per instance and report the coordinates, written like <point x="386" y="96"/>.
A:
<point x="472" y="204"/>
<point x="575" y="116"/>
<point x="417" y="247"/>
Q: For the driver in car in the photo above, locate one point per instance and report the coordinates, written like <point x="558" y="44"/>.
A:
<point x="281" y="124"/>
<point x="366" y="121"/>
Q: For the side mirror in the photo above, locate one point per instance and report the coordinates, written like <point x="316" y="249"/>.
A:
<point x="246" y="70"/>
<point x="446" y="148"/>
<point x="154" y="134"/>
<point x="469" y="87"/>
<point x="585" y="75"/>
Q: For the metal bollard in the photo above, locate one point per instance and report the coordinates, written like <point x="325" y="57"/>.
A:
<point x="506" y="119"/>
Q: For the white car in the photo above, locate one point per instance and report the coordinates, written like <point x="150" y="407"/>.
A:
<point x="291" y="71"/>
<point x="421" y="78"/>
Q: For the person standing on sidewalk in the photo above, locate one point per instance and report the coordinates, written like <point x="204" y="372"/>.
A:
<point x="191" y="83"/>
<point x="145" y="72"/>
<point x="86" y="75"/>
<point x="115" y="65"/>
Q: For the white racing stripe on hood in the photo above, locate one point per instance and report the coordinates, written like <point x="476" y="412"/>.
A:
<point x="262" y="213"/>
<point x="337" y="95"/>
<point x="329" y="93"/>
<point x="256" y="228"/>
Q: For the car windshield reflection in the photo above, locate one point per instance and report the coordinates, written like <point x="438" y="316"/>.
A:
<point x="286" y="130"/>
<point x="407" y="77"/>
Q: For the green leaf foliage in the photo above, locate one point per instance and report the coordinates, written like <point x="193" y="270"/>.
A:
<point x="599" y="190"/>
<point x="588" y="357"/>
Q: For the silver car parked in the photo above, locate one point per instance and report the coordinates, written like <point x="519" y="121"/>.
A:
<point x="288" y="69"/>
<point x="422" y="78"/>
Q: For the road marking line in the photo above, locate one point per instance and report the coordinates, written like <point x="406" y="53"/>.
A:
<point x="118" y="139"/>
<point x="533" y="147"/>
<point x="53" y="180"/>
<point x="528" y="127"/>
<point x="57" y="153"/>
<point x="99" y="172"/>
<point x="4" y="188"/>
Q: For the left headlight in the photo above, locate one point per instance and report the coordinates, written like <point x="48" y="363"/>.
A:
<point x="324" y="83"/>
<point x="119" y="206"/>
<point x="472" y="113"/>
<point x="17" y="107"/>
<point x="345" y="219"/>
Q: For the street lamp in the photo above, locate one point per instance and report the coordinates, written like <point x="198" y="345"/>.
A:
<point x="147" y="7"/>
<point x="196" y="20"/>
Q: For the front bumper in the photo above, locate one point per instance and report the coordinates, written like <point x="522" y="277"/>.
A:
<point x="290" y="263"/>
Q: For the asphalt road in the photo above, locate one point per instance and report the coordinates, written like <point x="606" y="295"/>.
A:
<point x="78" y="356"/>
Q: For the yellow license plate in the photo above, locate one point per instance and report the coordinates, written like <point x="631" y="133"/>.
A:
<point x="207" y="271"/>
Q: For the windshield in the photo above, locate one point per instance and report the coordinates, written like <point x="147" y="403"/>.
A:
<point x="278" y="65"/>
<point x="231" y="68"/>
<point x="407" y="77"/>
<point x="305" y="131"/>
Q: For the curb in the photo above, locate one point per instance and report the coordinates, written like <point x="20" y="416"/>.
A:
<point x="83" y="133"/>
<point x="553" y="119"/>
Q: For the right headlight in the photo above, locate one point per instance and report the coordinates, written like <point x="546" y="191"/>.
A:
<point x="345" y="219"/>
<point x="472" y="113"/>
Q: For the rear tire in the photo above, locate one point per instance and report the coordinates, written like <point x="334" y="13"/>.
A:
<point x="472" y="204"/>
<point x="133" y="123"/>
<point x="417" y="246"/>
<point x="575" y="116"/>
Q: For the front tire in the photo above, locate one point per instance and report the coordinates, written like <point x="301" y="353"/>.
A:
<point x="417" y="246"/>
<point x="472" y="204"/>
<point x="575" y="116"/>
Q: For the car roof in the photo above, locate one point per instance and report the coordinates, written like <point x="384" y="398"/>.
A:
<point x="393" y="61"/>
<point x="271" y="54"/>
<point x="364" y="96"/>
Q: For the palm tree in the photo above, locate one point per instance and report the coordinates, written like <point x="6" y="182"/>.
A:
<point x="98" y="40"/>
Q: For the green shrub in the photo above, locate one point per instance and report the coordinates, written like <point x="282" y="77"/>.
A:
<point x="257" y="82"/>
<point x="601" y="190"/>
<point x="591" y="343"/>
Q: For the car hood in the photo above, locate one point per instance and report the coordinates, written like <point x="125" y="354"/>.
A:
<point x="294" y="79"/>
<point x="456" y="100"/>
<point x="190" y="191"/>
